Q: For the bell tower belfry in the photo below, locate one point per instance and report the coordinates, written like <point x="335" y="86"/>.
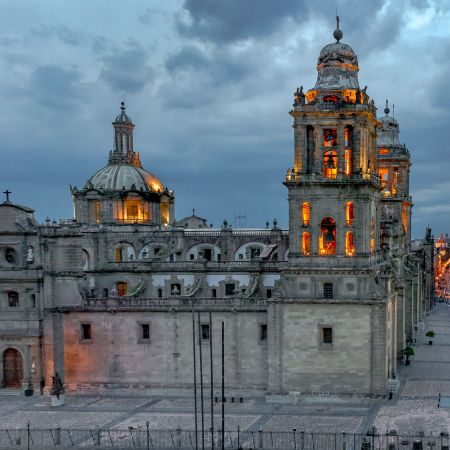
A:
<point x="334" y="187"/>
<point x="335" y="310"/>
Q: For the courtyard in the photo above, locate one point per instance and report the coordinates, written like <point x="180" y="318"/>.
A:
<point x="413" y="410"/>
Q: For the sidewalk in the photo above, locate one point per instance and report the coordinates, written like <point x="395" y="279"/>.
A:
<point x="428" y="376"/>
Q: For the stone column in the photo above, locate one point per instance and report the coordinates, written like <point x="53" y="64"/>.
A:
<point x="400" y="319"/>
<point x="378" y="354"/>
<point x="274" y="346"/>
<point x="299" y="147"/>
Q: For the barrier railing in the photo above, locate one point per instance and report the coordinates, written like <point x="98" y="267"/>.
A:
<point x="143" y="437"/>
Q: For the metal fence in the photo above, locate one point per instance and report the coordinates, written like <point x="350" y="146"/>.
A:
<point x="145" y="438"/>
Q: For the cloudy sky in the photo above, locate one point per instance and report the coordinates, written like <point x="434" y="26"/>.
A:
<point x="209" y="84"/>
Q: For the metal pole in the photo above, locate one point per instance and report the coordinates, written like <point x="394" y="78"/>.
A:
<point x="201" y="378"/>
<point x="223" y="387"/>
<point x="195" y="380"/>
<point x="211" y="378"/>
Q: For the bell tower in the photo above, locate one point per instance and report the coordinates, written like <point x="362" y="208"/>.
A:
<point x="334" y="313"/>
<point x="334" y="187"/>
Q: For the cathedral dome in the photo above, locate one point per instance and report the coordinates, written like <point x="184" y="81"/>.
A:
<point x="389" y="131"/>
<point x="337" y="65"/>
<point x="118" y="177"/>
<point x="122" y="117"/>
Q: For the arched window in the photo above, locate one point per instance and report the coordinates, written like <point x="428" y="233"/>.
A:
<point x="306" y="243"/>
<point x="349" y="214"/>
<point x="122" y="288"/>
<point x="124" y="252"/>
<point x="348" y="161"/>
<point x="306" y="213"/>
<point x="330" y="164"/>
<point x="349" y="244"/>
<point x="327" y="239"/>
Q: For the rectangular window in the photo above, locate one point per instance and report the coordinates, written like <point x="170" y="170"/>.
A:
<point x="329" y="137"/>
<point x="205" y="332"/>
<point x="219" y="257"/>
<point x="229" y="289"/>
<point x="269" y="293"/>
<point x="33" y="301"/>
<point x="214" y="293"/>
<point x="105" y="292"/>
<point x="13" y="299"/>
<point x="263" y="332"/>
<point x="191" y="256"/>
<point x="159" y="293"/>
<point x="327" y="335"/>
<point x="145" y="331"/>
<point x="328" y="290"/>
<point x="207" y="254"/>
<point x="95" y="210"/>
<point x="86" y="334"/>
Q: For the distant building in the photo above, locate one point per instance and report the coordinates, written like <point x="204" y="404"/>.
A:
<point x="327" y="305"/>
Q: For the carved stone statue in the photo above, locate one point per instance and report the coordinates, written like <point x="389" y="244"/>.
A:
<point x="57" y="386"/>
<point x="299" y="96"/>
<point x="30" y="254"/>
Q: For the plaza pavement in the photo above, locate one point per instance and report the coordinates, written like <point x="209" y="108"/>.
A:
<point x="413" y="409"/>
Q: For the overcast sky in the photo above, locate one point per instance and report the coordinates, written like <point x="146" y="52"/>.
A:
<point x="209" y="84"/>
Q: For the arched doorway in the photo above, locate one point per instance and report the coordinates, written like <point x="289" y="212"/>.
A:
<point x="12" y="368"/>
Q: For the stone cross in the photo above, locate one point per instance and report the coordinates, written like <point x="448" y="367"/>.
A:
<point x="7" y="192"/>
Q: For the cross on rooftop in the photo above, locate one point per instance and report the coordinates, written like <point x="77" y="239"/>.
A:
<point x="193" y="211"/>
<point x="7" y="192"/>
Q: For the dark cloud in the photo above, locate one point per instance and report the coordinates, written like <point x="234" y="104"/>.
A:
<point x="55" y="87"/>
<point x="234" y="20"/>
<point x="126" y="69"/>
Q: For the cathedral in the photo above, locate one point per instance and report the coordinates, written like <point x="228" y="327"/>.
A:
<point x="328" y="305"/>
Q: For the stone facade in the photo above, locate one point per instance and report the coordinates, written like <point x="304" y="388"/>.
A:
<point x="328" y="305"/>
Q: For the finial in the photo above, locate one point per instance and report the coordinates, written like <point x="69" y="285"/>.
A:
<point x="7" y="192"/>
<point x="387" y="110"/>
<point x="337" y="32"/>
<point x="122" y="106"/>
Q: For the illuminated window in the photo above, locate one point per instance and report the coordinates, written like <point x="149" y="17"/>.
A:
<point x="384" y="175"/>
<point x="13" y="299"/>
<point x="405" y="217"/>
<point x="383" y="151"/>
<point x="327" y="239"/>
<point x="164" y="212"/>
<point x="347" y="137"/>
<point x="95" y="210"/>
<point x="306" y="213"/>
<point x="306" y="243"/>
<point x="122" y="288"/>
<point x="372" y="235"/>
<point x="329" y="137"/>
<point x="349" y="244"/>
<point x="330" y="98"/>
<point x="348" y="161"/>
<point x="349" y="214"/>
<point x="131" y="210"/>
<point x="395" y="178"/>
<point x="330" y="165"/>
<point x="124" y="252"/>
